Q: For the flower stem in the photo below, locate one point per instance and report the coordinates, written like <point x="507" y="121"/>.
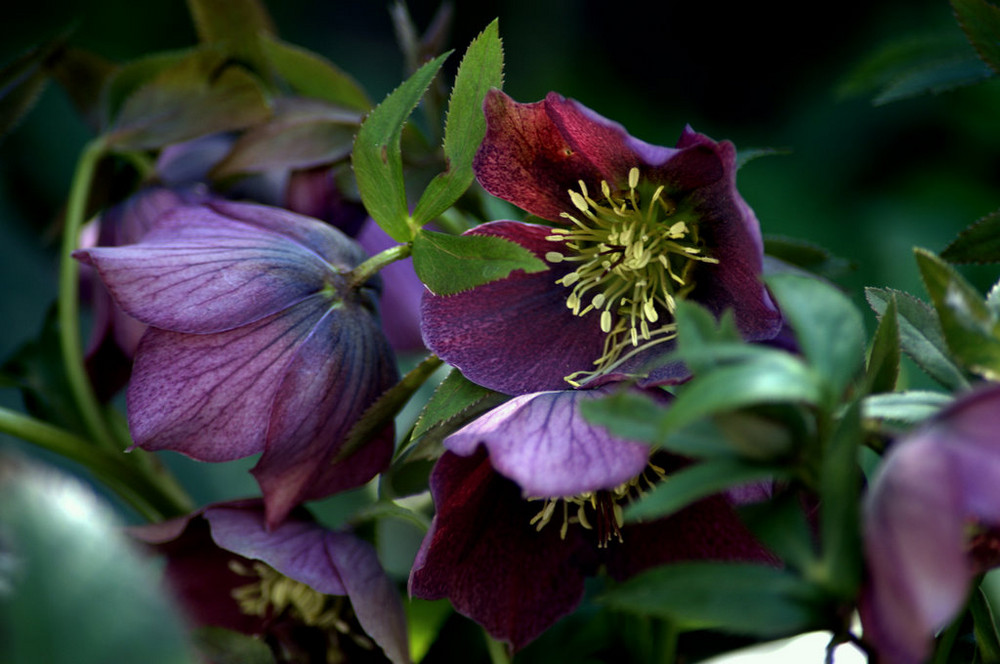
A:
<point x="68" y="303"/>
<point x="370" y="267"/>
<point x="151" y="500"/>
<point x="496" y="649"/>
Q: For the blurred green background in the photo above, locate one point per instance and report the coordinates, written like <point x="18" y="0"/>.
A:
<point x="866" y="182"/>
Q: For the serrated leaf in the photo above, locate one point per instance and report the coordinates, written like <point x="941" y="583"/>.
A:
<point x="934" y="78"/>
<point x="827" y="326"/>
<point x="981" y="22"/>
<point x="894" y="59"/>
<point x="806" y="255"/>
<point x="840" y="487"/>
<point x="449" y="264"/>
<point x="481" y="69"/>
<point x="971" y="329"/>
<point x="306" y="135"/>
<point x="911" y="406"/>
<point x="920" y="335"/>
<point x="883" y="360"/>
<point x="382" y="412"/>
<point x="700" y="480"/>
<point x="979" y="243"/>
<point x="198" y="95"/>
<point x="715" y="595"/>
<point x="311" y="75"/>
<point x="377" y="160"/>
<point x="235" y="27"/>
<point x="21" y="83"/>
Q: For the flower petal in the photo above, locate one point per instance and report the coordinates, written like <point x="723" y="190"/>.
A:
<point x="209" y="396"/>
<point x="343" y="366"/>
<point x="205" y="269"/>
<point x="482" y="553"/>
<point x="542" y="442"/>
<point x="515" y="335"/>
<point x="333" y="563"/>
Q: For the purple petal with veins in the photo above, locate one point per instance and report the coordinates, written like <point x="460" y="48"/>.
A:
<point x="542" y="442"/>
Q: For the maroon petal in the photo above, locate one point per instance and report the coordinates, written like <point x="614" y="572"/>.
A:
<point x="209" y="396"/>
<point x="526" y="159"/>
<point x="515" y="335"/>
<point x="334" y="376"/>
<point x="205" y="269"/>
<point x="482" y="554"/>
<point x="542" y="442"/>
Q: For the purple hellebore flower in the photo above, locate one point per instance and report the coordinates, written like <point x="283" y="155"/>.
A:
<point x="258" y="342"/>
<point x="229" y="570"/>
<point x="528" y="501"/>
<point x="637" y="226"/>
<point x="930" y="520"/>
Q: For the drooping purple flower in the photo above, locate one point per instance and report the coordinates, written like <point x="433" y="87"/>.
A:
<point x="229" y="570"/>
<point x="258" y="343"/>
<point x="636" y="227"/>
<point x="930" y="522"/>
<point x="528" y="504"/>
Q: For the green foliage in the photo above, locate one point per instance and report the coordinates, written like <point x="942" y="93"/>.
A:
<point x="22" y="81"/>
<point x="480" y="70"/>
<point x="883" y="361"/>
<point x="971" y="329"/>
<point x="234" y="27"/>
<point x="450" y="264"/>
<point x="708" y="595"/>
<point x="840" y="491"/>
<point x="805" y="255"/>
<point x="920" y="335"/>
<point x="827" y="326"/>
<point x="81" y="594"/>
<point x="377" y="158"/>
<point x="910" y="407"/>
<point x="979" y="243"/>
<point x="980" y="20"/>
<point x="310" y="75"/>
<point x="191" y="95"/>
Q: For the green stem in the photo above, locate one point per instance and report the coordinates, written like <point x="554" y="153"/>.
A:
<point x="667" y="639"/>
<point x="68" y="303"/>
<point x="370" y="267"/>
<point x="149" y="499"/>
<point x="496" y="649"/>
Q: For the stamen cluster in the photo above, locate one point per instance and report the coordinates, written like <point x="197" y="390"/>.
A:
<point x="634" y="263"/>
<point x="605" y="506"/>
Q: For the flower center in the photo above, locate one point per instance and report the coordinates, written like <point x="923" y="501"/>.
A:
<point x="634" y="261"/>
<point x="599" y="511"/>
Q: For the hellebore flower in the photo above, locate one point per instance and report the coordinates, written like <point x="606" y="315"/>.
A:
<point x="259" y="341"/>
<point x="930" y="519"/>
<point x="637" y="226"/>
<point x="529" y="500"/>
<point x="286" y="585"/>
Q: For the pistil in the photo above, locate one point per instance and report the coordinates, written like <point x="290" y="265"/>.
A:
<point x="634" y="260"/>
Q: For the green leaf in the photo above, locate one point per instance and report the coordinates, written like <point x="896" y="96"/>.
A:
<point x="970" y="328"/>
<point x="306" y="135"/>
<point x="981" y="22"/>
<point x="701" y="338"/>
<point x="781" y="525"/>
<point x="884" y="358"/>
<point x="827" y="326"/>
<point x="382" y="412"/>
<point x="934" y="78"/>
<point x="920" y="335"/>
<point x="128" y="78"/>
<point x="311" y="75"/>
<point x="81" y="593"/>
<point x="21" y="83"/>
<point x="772" y="376"/>
<point x="735" y="597"/>
<point x="85" y="77"/>
<point x="744" y="157"/>
<point x="805" y="255"/>
<point x="979" y="243"/>
<point x="993" y="299"/>
<point x="480" y="70"/>
<point x="199" y="95"/>
<point x="840" y="487"/>
<point x="377" y="159"/>
<point x="895" y="59"/>
<point x="911" y="406"/>
<point x="985" y="627"/>
<point x="223" y="646"/>
<point x="450" y="264"/>
<point x="700" y="480"/>
<point x="234" y="27"/>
